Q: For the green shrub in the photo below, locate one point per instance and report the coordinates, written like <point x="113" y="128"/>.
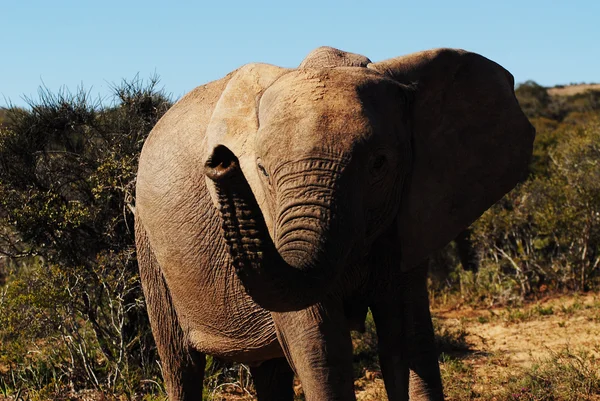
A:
<point x="533" y="98"/>
<point x="536" y="102"/>
<point x="365" y="348"/>
<point x="67" y="176"/>
<point x="547" y="231"/>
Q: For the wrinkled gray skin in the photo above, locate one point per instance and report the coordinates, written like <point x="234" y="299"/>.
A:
<point x="274" y="206"/>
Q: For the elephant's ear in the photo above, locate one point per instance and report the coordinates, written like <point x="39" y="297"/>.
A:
<point x="234" y="121"/>
<point x="471" y="144"/>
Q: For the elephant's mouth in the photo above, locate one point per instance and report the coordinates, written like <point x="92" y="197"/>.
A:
<point x="302" y="269"/>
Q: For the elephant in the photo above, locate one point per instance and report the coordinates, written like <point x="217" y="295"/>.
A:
<point x="275" y="206"/>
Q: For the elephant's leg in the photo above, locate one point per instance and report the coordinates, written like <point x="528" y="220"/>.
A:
<point x="407" y="341"/>
<point x="425" y="380"/>
<point x="273" y="380"/>
<point x="183" y="368"/>
<point x="317" y="344"/>
<point x="392" y="355"/>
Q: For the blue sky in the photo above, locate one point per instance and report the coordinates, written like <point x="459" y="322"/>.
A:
<point x="96" y="43"/>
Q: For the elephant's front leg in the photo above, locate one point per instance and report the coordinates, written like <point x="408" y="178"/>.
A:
<point x="407" y="350"/>
<point x="317" y="344"/>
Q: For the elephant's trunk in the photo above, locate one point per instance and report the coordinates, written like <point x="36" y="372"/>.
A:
<point x="301" y="269"/>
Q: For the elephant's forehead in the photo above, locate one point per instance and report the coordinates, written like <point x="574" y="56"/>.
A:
<point x="318" y="107"/>
<point x="316" y="89"/>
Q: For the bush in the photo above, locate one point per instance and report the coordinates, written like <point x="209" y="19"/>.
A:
<point x="533" y="98"/>
<point x="2" y="116"/>
<point x="67" y="175"/>
<point x="536" y="102"/>
<point x="547" y="231"/>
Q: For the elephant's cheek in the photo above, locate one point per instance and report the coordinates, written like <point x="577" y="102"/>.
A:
<point x="381" y="210"/>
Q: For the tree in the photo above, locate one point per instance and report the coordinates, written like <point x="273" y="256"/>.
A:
<point x="533" y="98"/>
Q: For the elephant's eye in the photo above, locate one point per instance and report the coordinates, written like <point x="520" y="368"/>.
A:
<point x="262" y="168"/>
<point x="378" y="167"/>
<point x="379" y="162"/>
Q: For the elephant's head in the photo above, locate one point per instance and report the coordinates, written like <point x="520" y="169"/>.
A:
<point x="309" y="166"/>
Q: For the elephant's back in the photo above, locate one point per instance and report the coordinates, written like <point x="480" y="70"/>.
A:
<point x="183" y="229"/>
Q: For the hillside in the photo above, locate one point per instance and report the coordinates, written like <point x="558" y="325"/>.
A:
<point x="570" y="90"/>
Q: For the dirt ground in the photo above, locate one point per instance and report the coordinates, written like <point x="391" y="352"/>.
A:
<point x="504" y="342"/>
<point x="526" y="334"/>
